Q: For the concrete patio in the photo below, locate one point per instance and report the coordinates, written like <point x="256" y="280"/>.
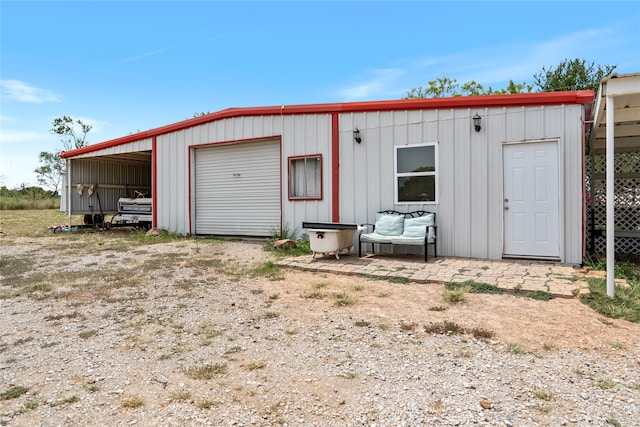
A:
<point x="560" y="280"/>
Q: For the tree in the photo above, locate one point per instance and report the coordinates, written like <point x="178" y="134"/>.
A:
<point x="446" y="87"/>
<point x="50" y="173"/>
<point x="73" y="134"/>
<point x="572" y="74"/>
<point x="70" y="136"/>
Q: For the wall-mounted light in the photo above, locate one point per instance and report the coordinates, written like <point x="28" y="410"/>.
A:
<point x="356" y="136"/>
<point x="476" y="122"/>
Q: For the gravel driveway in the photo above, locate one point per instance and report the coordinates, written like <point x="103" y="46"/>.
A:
<point x="188" y="332"/>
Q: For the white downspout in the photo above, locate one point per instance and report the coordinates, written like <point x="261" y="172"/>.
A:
<point x="611" y="232"/>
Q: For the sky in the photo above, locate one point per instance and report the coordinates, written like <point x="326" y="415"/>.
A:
<point x="125" y="67"/>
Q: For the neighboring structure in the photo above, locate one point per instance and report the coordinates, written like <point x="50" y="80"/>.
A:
<point x="507" y="184"/>
<point x="614" y="171"/>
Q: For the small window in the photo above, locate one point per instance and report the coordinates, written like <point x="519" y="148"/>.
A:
<point x="305" y="177"/>
<point x="416" y="173"/>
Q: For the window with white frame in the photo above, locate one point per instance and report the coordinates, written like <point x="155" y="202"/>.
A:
<point x="305" y="177"/>
<point x="416" y="173"/>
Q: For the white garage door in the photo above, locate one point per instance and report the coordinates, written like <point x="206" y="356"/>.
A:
<point x="237" y="189"/>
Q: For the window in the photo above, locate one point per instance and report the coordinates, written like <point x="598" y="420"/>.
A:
<point x="416" y="173"/>
<point x="305" y="177"/>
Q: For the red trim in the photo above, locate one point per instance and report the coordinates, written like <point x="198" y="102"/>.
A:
<point x="303" y="199"/>
<point x="542" y="98"/>
<point x="335" y="168"/>
<point x="154" y="183"/>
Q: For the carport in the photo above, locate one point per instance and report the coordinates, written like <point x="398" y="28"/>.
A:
<point x="614" y="169"/>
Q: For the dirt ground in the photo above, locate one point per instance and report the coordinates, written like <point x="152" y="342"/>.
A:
<point x="532" y="324"/>
<point x="535" y="325"/>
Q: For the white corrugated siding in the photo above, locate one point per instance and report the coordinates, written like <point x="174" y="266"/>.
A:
<point x="300" y="135"/>
<point x="470" y="208"/>
<point x="237" y="189"/>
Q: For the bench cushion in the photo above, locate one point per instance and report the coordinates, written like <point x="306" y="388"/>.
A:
<point x="413" y="241"/>
<point x="417" y="227"/>
<point x="389" y="224"/>
<point x="376" y="238"/>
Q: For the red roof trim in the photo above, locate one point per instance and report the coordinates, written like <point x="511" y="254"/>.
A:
<point x="542" y="98"/>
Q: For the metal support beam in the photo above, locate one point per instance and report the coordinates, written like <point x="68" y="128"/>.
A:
<point x="611" y="232"/>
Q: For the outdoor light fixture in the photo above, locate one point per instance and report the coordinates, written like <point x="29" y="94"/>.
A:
<point x="356" y="136"/>
<point x="476" y="122"/>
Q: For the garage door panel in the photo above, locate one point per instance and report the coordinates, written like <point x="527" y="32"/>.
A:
<point x="238" y="189"/>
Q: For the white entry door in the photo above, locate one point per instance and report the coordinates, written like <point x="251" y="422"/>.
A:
<point x="530" y="204"/>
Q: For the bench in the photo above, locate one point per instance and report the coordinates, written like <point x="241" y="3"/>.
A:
<point x="417" y="228"/>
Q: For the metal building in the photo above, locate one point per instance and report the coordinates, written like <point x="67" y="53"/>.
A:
<point x="507" y="184"/>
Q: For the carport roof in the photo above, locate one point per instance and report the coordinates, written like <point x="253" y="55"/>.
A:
<point x="488" y="101"/>
<point x="626" y="90"/>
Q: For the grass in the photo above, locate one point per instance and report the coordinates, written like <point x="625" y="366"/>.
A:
<point x="205" y="372"/>
<point x="515" y="348"/>
<point x="132" y="402"/>
<point x="444" y="327"/>
<point x="454" y="296"/>
<point x="626" y="302"/>
<point x="454" y="291"/>
<point x="302" y="246"/>
<point x="181" y="395"/>
<point x="606" y="384"/>
<point x="315" y="295"/>
<point x="268" y="269"/>
<point x="542" y="394"/>
<point x="343" y="299"/>
<point x="13" y="393"/>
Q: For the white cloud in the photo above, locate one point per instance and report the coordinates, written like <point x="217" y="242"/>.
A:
<point x="377" y="83"/>
<point x="147" y="54"/>
<point x="491" y="65"/>
<point x="22" y="92"/>
<point x="22" y="136"/>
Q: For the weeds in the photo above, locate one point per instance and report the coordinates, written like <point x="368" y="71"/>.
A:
<point x="315" y="295"/>
<point x="444" y="327"/>
<point x="515" y="348"/>
<point x="606" y="384"/>
<point x="132" y="402"/>
<point x="268" y="269"/>
<point x="542" y="395"/>
<point x="87" y="334"/>
<point x="205" y="372"/>
<point x="181" y="395"/>
<point x="624" y="305"/>
<point x="13" y="393"/>
<point x="455" y="295"/>
<point x="255" y="365"/>
<point x="343" y="299"/>
<point x="205" y="404"/>
<point x="474" y="287"/>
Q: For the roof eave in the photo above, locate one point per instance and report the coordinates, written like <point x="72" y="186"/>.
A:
<point x="485" y="101"/>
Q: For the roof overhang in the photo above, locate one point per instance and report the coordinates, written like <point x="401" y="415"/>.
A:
<point x="487" y="101"/>
<point x="625" y="89"/>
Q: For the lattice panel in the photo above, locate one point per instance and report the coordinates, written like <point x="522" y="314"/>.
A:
<point x="627" y="201"/>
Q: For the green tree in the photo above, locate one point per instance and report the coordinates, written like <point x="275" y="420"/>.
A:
<point x="572" y="74"/>
<point x="445" y="86"/>
<point x="73" y="134"/>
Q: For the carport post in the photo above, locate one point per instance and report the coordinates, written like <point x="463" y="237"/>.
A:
<point x="611" y="230"/>
<point x="69" y="192"/>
